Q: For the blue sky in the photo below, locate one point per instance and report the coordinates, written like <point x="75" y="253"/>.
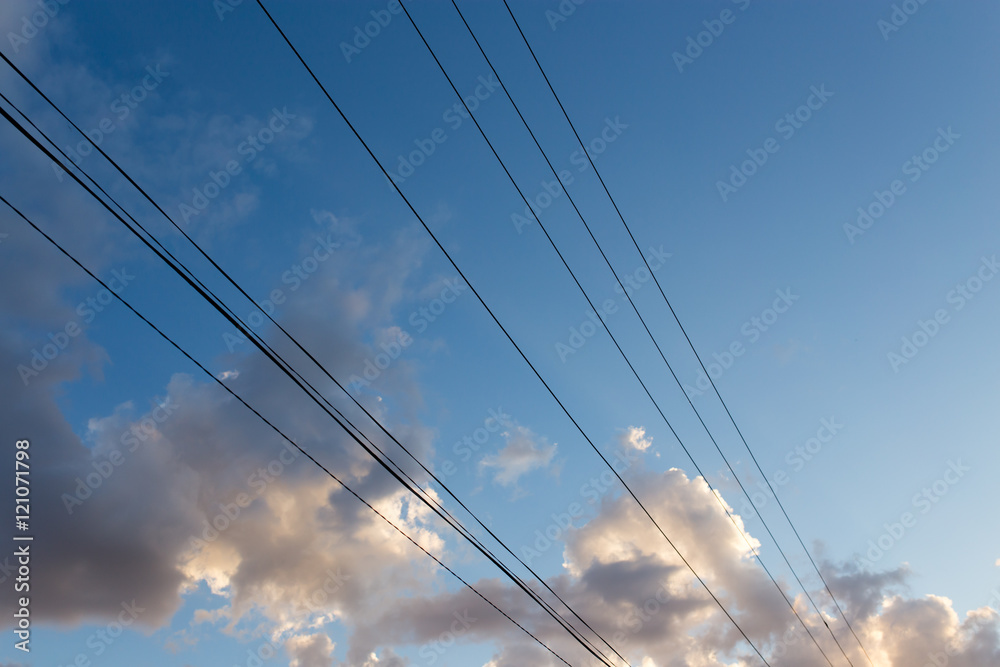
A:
<point x="864" y="370"/>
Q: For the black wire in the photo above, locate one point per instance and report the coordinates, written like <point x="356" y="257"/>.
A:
<point x="718" y="497"/>
<point x="279" y="361"/>
<point x="459" y="527"/>
<point x="569" y="197"/>
<point x="604" y="324"/>
<point x="275" y="428"/>
<point x="690" y="343"/>
<point x="476" y="293"/>
<point x="676" y="379"/>
<point x="452" y="520"/>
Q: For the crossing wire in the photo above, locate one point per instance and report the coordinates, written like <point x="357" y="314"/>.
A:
<point x="274" y="357"/>
<point x="323" y="368"/>
<point x="275" y="428"/>
<point x="503" y="329"/>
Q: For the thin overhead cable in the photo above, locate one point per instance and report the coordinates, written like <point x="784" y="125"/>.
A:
<point x="277" y="430"/>
<point x="686" y="336"/>
<point x="722" y="503"/>
<point x="624" y="291"/>
<point x="429" y="499"/>
<point x="676" y="379"/>
<point x="497" y="321"/>
<point x="292" y="374"/>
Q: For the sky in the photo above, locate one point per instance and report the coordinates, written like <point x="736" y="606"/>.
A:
<point x="808" y="183"/>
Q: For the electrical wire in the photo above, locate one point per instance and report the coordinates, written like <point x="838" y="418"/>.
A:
<point x="676" y="379"/>
<point x="278" y="361"/>
<point x="276" y="429"/>
<point x="305" y="351"/>
<point x="497" y="321"/>
<point x="688" y="339"/>
<point x="718" y="497"/>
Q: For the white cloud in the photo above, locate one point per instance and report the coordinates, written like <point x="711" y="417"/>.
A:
<point x="310" y="650"/>
<point x="523" y="452"/>
<point x="303" y="553"/>
<point x="132" y="536"/>
<point x="634" y="437"/>
<point x="623" y="578"/>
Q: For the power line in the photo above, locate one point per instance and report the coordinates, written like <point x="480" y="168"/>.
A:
<point x="291" y="373"/>
<point x="673" y="374"/>
<point x="274" y="357"/>
<point x="366" y="410"/>
<point x="451" y="519"/>
<point x="662" y="356"/>
<point x="277" y="430"/>
<point x="579" y="214"/>
<point x="495" y="319"/>
<point x="690" y="343"/>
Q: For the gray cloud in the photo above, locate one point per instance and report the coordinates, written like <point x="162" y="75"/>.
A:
<point x="631" y="588"/>
<point x="302" y="553"/>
